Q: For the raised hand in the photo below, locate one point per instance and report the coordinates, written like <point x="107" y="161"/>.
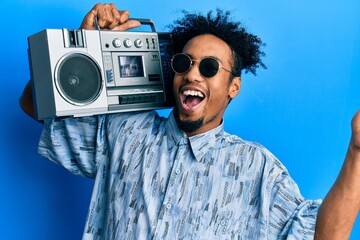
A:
<point x="109" y="17"/>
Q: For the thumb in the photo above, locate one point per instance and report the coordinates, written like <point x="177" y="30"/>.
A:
<point x="355" y="123"/>
<point x="355" y="127"/>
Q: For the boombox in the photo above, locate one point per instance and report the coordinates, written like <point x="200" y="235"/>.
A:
<point x="88" y="72"/>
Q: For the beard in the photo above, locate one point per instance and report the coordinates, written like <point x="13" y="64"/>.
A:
<point x="186" y="125"/>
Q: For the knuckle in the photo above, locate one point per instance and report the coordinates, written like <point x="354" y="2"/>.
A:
<point x="97" y="6"/>
<point x="126" y="13"/>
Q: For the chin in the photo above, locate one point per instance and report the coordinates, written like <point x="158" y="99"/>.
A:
<point x="188" y="125"/>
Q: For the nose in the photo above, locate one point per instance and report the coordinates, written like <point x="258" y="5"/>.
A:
<point x="193" y="74"/>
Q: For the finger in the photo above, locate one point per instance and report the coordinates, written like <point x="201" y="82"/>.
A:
<point x="112" y="16"/>
<point x="120" y="18"/>
<point x="128" y="25"/>
<point x="124" y="16"/>
<point x="88" y="21"/>
<point x="104" y="15"/>
<point x="116" y="18"/>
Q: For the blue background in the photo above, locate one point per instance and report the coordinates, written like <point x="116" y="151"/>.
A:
<point x="300" y="108"/>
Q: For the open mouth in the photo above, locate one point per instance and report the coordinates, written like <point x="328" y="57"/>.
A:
<point x="191" y="99"/>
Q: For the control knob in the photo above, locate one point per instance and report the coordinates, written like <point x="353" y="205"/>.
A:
<point x="116" y="43"/>
<point x="138" y="43"/>
<point x="127" y="43"/>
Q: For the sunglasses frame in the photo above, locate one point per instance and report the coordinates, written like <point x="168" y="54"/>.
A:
<point x="192" y="63"/>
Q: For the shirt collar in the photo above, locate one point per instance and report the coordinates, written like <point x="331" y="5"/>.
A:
<point x="200" y="144"/>
<point x="176" y="136"/>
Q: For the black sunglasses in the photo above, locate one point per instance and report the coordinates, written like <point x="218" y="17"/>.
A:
<point x="208" y="67"/>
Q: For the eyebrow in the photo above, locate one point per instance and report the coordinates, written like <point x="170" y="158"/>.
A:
<point x="192" y="57"/>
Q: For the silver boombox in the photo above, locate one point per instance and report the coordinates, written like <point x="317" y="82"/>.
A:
<point x="88" y="72"/>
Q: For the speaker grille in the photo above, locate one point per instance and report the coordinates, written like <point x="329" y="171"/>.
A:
<point x="79" y="79"/>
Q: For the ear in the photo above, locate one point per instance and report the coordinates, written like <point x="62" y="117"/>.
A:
<point x="235" y="87"/>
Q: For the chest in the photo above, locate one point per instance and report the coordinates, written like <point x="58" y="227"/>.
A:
<point x="166" y="191"/>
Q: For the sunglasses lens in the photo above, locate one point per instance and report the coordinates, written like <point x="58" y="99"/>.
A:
<point x="208" y="67"/>
<point x="181" y="63"/>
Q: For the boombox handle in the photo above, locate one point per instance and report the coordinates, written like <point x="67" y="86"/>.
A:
<point x="145" y="21"/>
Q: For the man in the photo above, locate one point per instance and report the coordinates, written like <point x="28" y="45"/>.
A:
<point x="184" y="177"/>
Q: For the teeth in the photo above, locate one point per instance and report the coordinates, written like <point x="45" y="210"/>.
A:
<point x="193" y="93"/>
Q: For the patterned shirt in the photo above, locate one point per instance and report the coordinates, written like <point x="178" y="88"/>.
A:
<point x="154" y="182"/>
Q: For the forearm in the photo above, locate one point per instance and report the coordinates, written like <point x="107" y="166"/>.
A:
<point x="339" y="210"/>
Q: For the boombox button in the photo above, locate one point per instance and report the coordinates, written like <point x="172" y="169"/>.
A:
<point x="127" y="43"/>
<point x="138" y="43"/>
<point x="116" y="43"/>
<point x="109" y="76"/>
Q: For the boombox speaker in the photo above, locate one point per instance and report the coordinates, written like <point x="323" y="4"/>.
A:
<point x="88" y="72"/>
<point x="79" y="79"/>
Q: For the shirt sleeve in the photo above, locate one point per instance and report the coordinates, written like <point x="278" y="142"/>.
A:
<point x="292" y="216"/>
<point x="75" y="143"/>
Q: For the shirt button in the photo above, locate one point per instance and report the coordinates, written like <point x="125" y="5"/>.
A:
<point x="177" y="171"/>
<point x="223" y="222"/>
<point x="168" y="206"/>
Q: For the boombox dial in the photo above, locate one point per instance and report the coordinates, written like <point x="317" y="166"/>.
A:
<point x="138" y="43"/>
<point x="116" y="43"/>
<point x="127" y="43"/>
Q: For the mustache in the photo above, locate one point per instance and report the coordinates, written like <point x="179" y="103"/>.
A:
<point x="192" y="85"/>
